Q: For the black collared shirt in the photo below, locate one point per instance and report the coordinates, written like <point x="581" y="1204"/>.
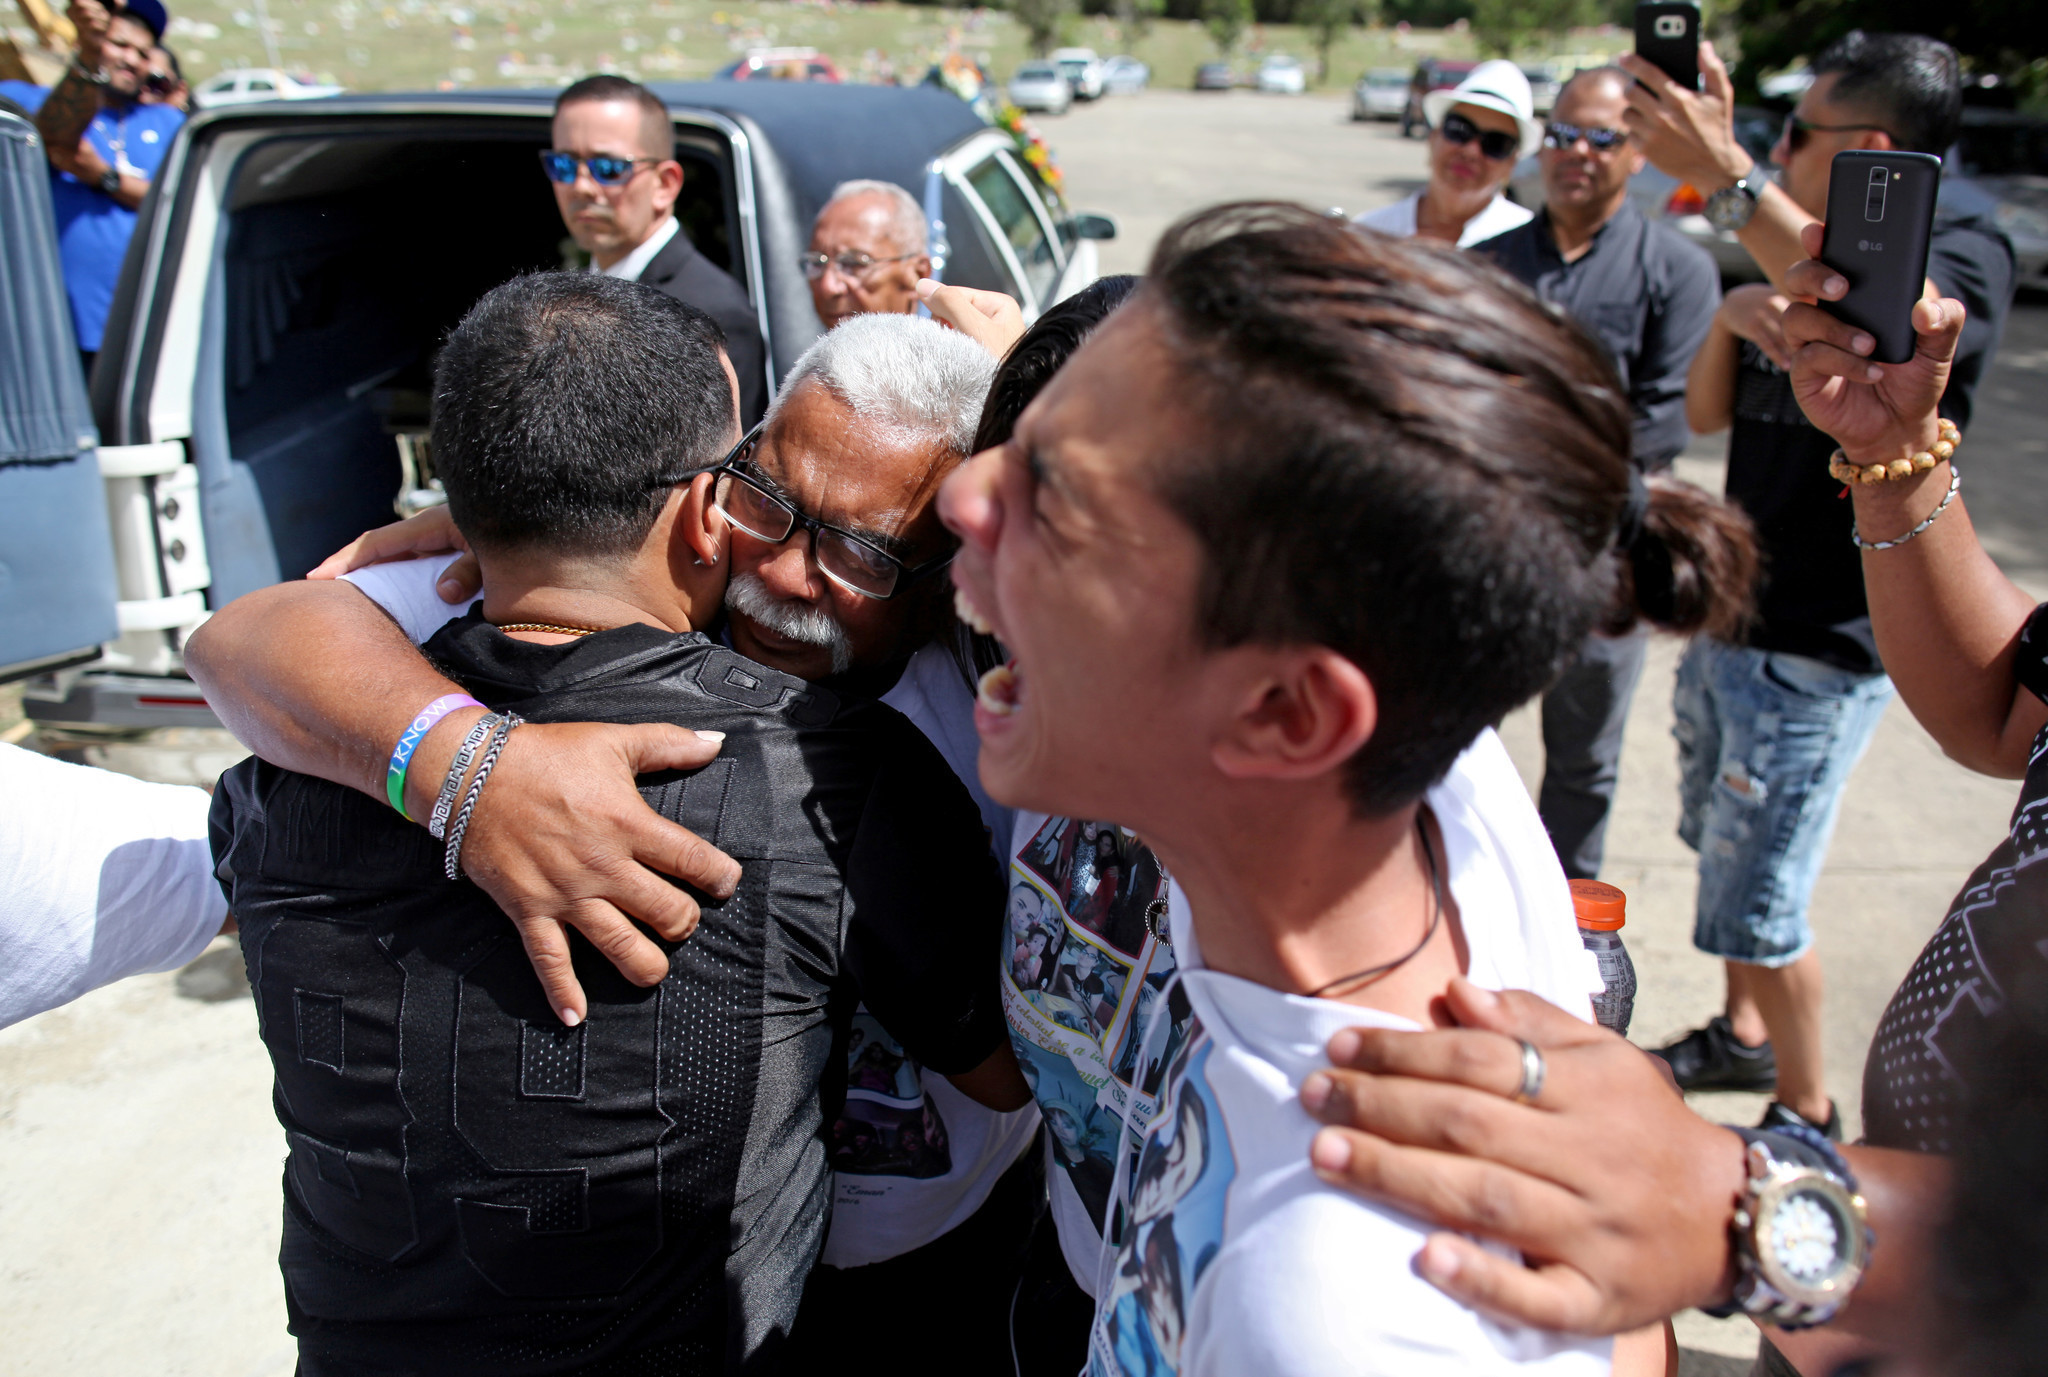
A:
<point x="1645" y="293"/>
<point x="473" y="1188"/>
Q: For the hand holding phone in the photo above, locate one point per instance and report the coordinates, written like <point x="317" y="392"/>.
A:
<point x="1668" y="35"/>
<point x="1880" y="223"/>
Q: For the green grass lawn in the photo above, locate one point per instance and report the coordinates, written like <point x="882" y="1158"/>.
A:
<point x="415" y="44"/>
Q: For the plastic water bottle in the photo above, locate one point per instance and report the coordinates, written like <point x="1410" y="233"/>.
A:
<point x="1601" y="911"/>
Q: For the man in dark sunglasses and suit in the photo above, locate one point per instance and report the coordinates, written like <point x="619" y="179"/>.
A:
<point x="1648" y="296"/>
<point x="616" y="179"/>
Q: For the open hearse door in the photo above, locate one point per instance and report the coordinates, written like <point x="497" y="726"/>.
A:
<point x="57" y="588"/>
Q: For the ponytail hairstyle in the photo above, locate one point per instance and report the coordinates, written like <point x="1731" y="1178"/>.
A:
<point x="1688" y="561"/>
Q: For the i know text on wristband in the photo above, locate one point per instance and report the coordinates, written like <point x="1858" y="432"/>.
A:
<point x="401" y="754"/>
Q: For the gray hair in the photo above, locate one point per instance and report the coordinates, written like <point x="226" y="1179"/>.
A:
<point x="903" y="372"/>
<point x="906" y="216"/>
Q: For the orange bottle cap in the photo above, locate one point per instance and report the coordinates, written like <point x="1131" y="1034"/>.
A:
<point x="1603" y="908"/>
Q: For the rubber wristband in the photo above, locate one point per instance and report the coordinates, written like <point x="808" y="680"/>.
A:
<point x="409" y="741"/>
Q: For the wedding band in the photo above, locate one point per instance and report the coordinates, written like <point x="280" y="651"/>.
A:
<point x="1532" y="1074"/>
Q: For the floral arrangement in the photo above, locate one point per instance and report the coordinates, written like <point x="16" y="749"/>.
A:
<point x="1033" y="149"/>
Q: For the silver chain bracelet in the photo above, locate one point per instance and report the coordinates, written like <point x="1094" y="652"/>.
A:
<point x="1955" y="485"/>
<point x="451" y="863"/>
<point x="457" y="768"/>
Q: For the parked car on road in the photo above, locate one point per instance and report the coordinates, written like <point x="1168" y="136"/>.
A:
<point x="1431" y="74"/>
<point x="1282" y="75"/>
<point x="782" y="64"/>
<point x="266" y="370"/>
<point x="1125" y="76"/>
<point x="1381" y="94"/>
<point x="1082" y="69"/>
<point x="249" y="85"/>
<point x="1545" y="81"/>
<point x="1041" y="86"/>
<point x="1214" y="76"/>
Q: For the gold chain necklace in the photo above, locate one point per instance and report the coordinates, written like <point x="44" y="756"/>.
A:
<point x="551" y="627"/>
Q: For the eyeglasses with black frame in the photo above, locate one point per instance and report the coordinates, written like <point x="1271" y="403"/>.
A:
<point x="1798" y="131"/>
<point x="851" y="561"/>
<point x="606" y="169"/>
<point x="1599" y="138"/>
<point x="851" y="264"/>
<point x="1493" y="143"/>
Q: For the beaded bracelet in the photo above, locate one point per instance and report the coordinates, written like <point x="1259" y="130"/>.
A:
<point x="1955" y="485"/>
<point x="457" y="769"/>
<point x="1905" y="466"/>
<point x="451" y="860"/>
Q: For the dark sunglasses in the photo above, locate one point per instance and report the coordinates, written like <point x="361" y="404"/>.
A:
<point x="605" y="169"/>
<point x="1798" y="131"/>
<point x="1598" y="137"/>
<point x="853" y="562"/>
<point x="1492" y="143"/>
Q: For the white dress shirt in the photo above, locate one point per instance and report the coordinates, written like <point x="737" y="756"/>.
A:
<point x="633" y="264"/>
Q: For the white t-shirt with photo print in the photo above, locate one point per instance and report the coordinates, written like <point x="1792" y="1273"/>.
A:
<point x="916" y="1157"/>
<point x="1231" y="1255"/>
<point x="1086" y="962"/>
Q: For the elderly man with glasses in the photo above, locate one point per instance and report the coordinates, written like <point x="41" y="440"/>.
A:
<point x="616" y="179"/>
<point x="1647" y="295"/>
<point x="868" y="249"/>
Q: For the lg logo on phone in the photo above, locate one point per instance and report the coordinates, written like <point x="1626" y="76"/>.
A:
<point x="1870" y="245"/>
<point x="1670" y="26"/>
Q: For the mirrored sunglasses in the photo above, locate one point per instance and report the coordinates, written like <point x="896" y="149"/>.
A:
<point x="605" y="169"/>
<point x="1598" y="138"/>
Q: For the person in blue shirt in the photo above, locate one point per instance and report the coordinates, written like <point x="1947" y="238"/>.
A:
<point x="104" y="146"/>
<point x="26" y="94"/>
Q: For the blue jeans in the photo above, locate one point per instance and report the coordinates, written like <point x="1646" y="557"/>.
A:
<point x="1766" y="742"/>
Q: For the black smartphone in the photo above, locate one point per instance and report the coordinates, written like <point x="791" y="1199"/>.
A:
<point x="1880" y="222"/>
<point x="1668" y="35"/>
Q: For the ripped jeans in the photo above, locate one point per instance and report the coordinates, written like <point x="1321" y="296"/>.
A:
<point x="1766" y="742"/>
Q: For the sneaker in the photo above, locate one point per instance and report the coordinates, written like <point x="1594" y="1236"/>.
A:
<point x="1782" y="1115"/>
<point x="1710" y="1058"/>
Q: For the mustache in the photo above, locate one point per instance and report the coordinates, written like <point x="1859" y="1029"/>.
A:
<point x="748" y="597"/>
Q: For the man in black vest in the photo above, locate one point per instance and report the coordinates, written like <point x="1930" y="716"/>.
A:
<point x="476" y="1186"/>
<point x="615" y="175"/>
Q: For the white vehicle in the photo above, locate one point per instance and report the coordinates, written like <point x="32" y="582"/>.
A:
<point x="1082" y="69"/>
<point x="1282" y="75"/>
<point x="250" y="85"/>
<point x="1381" y="94"/>
<point x="1040" y="86"/>
<point x="1545" y="82"/>
<point x="1125" y="76"/>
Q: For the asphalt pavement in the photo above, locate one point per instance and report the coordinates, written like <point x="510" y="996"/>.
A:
<point x="139" y="1229"/>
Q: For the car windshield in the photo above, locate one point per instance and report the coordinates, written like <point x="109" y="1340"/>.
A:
<point x="1036" y="73"/>
<point x="1074" y="64"/>
<point x="2003" y="150"/>
<point x="1386" y="81"/>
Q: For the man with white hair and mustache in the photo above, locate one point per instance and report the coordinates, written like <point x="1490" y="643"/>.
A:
<point x="836" y="555"/>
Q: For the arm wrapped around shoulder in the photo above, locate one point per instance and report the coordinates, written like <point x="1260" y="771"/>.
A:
<point x="1688" y="561"/>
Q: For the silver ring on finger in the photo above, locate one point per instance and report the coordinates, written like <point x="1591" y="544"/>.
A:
<point x="1533" y="1071"/>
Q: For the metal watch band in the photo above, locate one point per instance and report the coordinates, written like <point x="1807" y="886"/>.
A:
<point x="1721" y="207"/>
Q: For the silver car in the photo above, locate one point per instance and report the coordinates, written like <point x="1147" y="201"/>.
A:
<point x="1124" y="76"/>
<point x="1381" y="94"/>
<point x="1041" y="86"/>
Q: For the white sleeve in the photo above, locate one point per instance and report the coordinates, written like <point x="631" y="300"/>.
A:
<point x="101" y="876"/>
<point x="1325" y="1287"/>
<point x="405" y="589"/>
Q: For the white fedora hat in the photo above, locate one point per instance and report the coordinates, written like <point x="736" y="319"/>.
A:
<point x="1495" y="85"/>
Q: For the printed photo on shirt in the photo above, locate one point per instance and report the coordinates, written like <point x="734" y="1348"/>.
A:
<point x="1083" y="1132"/>
<point x="888" y="1127"/>
<point x="1091" y="981"/>
<point x="1177" y="1197"/>
<point x="1125" y="1061"/>
<point x="1035" y="936"/>
<point x="1160" y="1043"/>
<point x="1105" y="879"/>
<point x="878" y="1138"/>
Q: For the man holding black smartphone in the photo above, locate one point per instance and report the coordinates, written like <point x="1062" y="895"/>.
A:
<point x="1769" y="730"/>
<point x="105" y="145"/>
<point x="1647" y="295"/>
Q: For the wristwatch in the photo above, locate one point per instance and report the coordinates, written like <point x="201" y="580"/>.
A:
<point x="110" y="181"/>
<point x="1801" y="1233"/>
<point x="1731" y="207"/>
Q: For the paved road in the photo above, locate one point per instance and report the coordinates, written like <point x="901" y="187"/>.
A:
<point x="139" y="1229"/>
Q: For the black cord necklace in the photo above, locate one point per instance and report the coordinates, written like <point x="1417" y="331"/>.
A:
<point x="1440" y="901"/>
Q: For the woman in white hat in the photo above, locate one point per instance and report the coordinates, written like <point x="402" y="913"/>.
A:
<point x="1477" y="131"/>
